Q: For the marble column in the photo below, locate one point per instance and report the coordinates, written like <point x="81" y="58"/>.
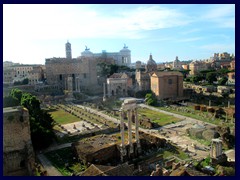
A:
<point x="130" y="131"/>
<point x="122" y="146"/>
<point x="136" y="128"/>
<point x="104" y="91"/>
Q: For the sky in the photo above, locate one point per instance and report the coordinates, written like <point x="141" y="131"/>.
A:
<point x="33" y="32"/>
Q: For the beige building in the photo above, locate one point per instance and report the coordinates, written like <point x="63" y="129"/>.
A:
<point x="15" y="72"/>
<point x="118" y="84"/>
<point x="196" y="66"/>
<point x="167" y="84"/>
<point x="18" y="155"/>
<point x="36" y="75"/>
<point x="8" y="75"/>
<point x="177" y="64"/>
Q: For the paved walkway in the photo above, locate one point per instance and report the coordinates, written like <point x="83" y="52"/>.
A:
<point x="51" y="170"/>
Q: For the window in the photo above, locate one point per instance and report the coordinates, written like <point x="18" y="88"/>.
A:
<point x="169" y="81"/>
<point x="84" y="75"/>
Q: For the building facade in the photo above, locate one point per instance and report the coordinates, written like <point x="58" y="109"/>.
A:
<point x="118" y="84"/>
<point x="167" y="84"/>
<point x="36" y="75"/>
<point x="82" y="70"/>
<point x="123" y="57"/>
<point x="196" y="66"/>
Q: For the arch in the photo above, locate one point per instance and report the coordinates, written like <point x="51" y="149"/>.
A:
<point x="22" y="163"/>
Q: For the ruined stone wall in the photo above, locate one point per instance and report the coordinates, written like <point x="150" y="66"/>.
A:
<point x="18" y="155"/>
<point x="58" y="69"/>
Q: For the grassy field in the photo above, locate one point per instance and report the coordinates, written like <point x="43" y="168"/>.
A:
<point x="198" y="117"/>
<point x="63" y="117"/>
<point x="157" y="117"/>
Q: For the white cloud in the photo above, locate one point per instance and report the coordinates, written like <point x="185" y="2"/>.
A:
<point x="58" y="21"/>
<point x="219" y="47"/>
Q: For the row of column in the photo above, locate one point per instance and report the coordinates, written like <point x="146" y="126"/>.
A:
<point x="130" y="114"/>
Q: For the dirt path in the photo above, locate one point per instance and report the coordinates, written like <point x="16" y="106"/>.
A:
<point x="51" y="170"/>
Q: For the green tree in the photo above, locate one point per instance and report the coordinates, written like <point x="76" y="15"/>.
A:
<point x="151" y="99"/>
<point x="223" y="81"/>
<point x="196" y="78"/>
<point x="113" y="69"/>
<point x="211" y="76"/>
<point x="16" y="93"/>
<point x="41" y="122"/>
<point x="25" y="81"/>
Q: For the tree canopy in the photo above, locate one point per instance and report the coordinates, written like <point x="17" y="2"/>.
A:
<point x="41" y="122"/>
<point x="151" y="99"/>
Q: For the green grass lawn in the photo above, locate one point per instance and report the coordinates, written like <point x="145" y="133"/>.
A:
<point x="63" y="117"/>
<point x="196" y="116"/>
<point x="157" y="117"/>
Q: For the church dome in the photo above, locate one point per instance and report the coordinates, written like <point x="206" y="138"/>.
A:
<point x="151" y="61"/>
<point x="151" y="64"/>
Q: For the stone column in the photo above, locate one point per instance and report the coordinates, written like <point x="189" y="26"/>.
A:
<point x="136" y="128"/>
<point x="122" y="128"/>
<point x="78" y="84"/>
<point x="104" y="91"/>
<point x="209" y="103"/>
<point x="130" y="131"/>
<point x="122" y="146"/>
<point x="228" y="104"/>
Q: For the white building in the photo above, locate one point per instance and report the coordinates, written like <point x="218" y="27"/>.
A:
<point x="123" y="57"/>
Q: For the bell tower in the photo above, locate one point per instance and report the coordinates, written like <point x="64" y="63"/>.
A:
<point x="68" y="50"/>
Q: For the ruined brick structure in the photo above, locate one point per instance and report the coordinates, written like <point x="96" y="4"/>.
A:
<point x="82" y="70"/>
<point x="18" y="155"/>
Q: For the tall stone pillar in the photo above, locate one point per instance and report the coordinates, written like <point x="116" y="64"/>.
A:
<point x="137" y="130"/>
<point x="78" y="84"/>
<point x="130" y="131"/>
<point x="104" y="92"/>
<point x="122" y="146"/>
<point x="216" y="148"/>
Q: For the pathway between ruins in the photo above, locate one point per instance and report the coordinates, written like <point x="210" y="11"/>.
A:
<point x="181" y="141"/>
<point x="51" y="170"/>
